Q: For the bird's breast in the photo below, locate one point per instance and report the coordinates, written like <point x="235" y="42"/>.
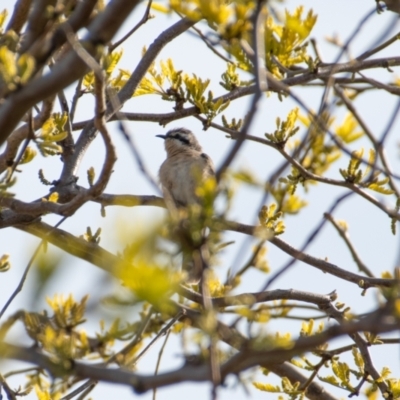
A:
<point x="180" y="177"/>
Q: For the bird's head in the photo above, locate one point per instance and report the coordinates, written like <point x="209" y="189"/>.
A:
<point x="180" y="139"/>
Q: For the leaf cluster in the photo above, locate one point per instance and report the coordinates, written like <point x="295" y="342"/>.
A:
<point x="15" y="70"/>
<point x="318" y="150"/>
<point x="5" y="264"/>
<point x="108" y="62"/>
<point x="354" y="173"/>
<point x="90" y="237"/>
<point x="52" y="132"/>
<point x="287" y="201"/>
<point x="181" y="88"/>
<point x="293" y="391"/>
<point x="284" y="129"/>
<point x="287" y="42"/>
<point x="271" y="219"/>
<point x="233" y="23"/>
<point x="233" y="125"/>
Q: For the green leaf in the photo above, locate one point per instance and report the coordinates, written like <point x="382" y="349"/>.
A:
<point x="378" y="187"/>
<point x="91" y="175"/>
<point x="3" y="17"/>
<point x="266" y="387"/>
<point x="330" y="379"/>
<point x="359" y="361"/>
<point x="5" y="263"/>
<point x="348" y="130"/>
<point x="28" y="156"/>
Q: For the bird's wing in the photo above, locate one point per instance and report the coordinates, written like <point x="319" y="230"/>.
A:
<point x="209" y="164"/>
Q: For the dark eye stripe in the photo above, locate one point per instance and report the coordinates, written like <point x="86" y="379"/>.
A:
<point x="181" y="139"/>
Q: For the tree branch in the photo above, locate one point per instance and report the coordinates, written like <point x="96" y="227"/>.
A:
<point x="71" y="68"/>
<point x="377" y="322"/>
<point x="19" y="16"/>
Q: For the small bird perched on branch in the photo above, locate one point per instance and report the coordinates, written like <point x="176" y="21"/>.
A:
<point x="180" y="174"/>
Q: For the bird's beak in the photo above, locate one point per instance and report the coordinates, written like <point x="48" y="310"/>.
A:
<point x="162" y="136"/>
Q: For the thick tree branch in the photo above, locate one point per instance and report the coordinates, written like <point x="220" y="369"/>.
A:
<point x="164" y="119"/>
<point x="78" y="19"/>
<point x="248" y="299"/>
<point x="38" y="22"/>
<point x="130" y="201"/>
<point x="71" y="68"/>
<point x="322" y="73"/>
<point x="80" y="248"/>
<point x="377" y="322"/>
<point x="19" y="16"/>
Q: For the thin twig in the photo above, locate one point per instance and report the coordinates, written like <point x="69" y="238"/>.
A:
<point x="31" y="135"/>
<point x="11" y="395"/>
<point x="22" y="133"/>
<point x="344" y="235"/>
<point x="330" y="82"/>
<point x="362" y="346"/>
<point x="287" y="71"/>
<point x="21" y="371"/>
<point x="356" y="391"/>
<point x="210" y="45"/>
<point x="75" y="98"/>
<point x="25" y="274"/>
<point x="161" y="333"/>
<point x="114" y="101"/>
<point x="310" y="379"/>
<point x="316" y="49"/>
<point x="209" y="311"/>
<point x="68" y="143"/>
<point x="100" y="257"/>
<point x="369" y="53"/>
<point x="144" y="19"/>
<point x="325" y="266"/>
<point x="100" y="110"/>
<point x="159" y="361"/>
<point x="390" y="88"/>
<point x="139" y="160"/>
<point x="86" y="392"/>
<point x="344" y="349"/>
<point x="248" y="264"/>
<point x="88" y="385"/>
<point x="309" y="240"/>
<point x="324" y="106"/>
<point x="390" y="123"/>
<point x="138" y="337"/>
<point x="261" y="86"/>
<point x="313" y="177"/>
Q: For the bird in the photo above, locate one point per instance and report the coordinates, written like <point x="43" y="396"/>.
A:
<point x="185" y="167"/>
